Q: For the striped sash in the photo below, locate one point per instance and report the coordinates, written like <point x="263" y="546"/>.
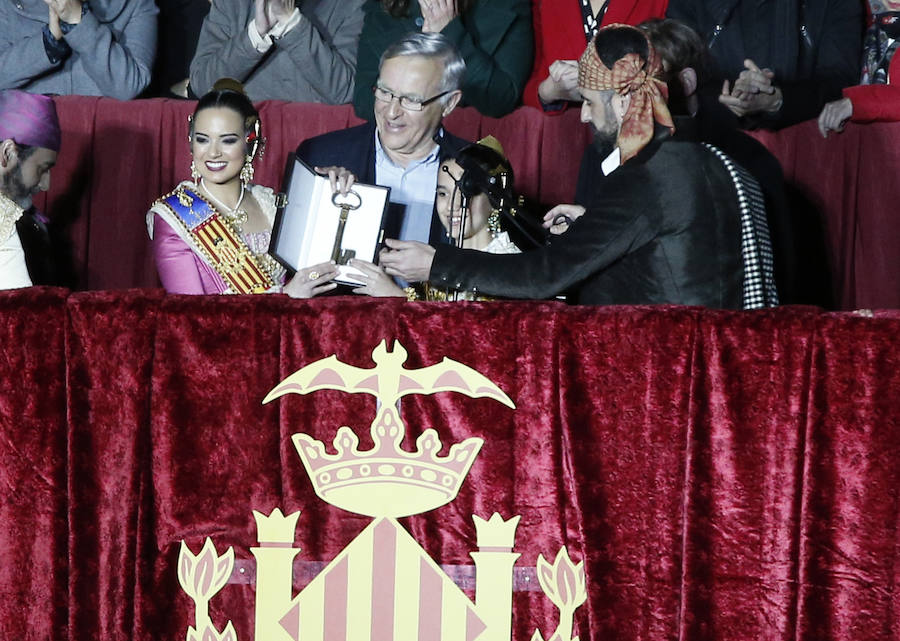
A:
<point x="217" y="242"/>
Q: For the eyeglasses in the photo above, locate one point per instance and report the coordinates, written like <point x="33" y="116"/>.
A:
<point x="406" y="102"/>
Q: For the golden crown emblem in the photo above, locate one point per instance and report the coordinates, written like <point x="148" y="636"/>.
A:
<point x="387" y="480"/>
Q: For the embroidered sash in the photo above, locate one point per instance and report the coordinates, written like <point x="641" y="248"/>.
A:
<point x="217" y="242"/>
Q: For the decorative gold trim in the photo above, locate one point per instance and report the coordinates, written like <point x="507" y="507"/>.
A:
<point x="10" y="212"/>
<point x="264" y="265"/>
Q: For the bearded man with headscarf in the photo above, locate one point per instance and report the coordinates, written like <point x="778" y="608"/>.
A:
<point x="29" y="143"/>
<point x="661" y="224"/>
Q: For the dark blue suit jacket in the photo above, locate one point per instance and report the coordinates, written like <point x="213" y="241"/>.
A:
<point x="354" y="149"/>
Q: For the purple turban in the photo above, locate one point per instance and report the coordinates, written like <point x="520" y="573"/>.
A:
<point x="29" y="119"/>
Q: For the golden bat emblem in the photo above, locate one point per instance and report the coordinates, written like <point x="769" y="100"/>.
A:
<point x="389" y="380"/>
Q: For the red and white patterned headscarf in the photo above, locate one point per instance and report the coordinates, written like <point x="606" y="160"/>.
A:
<point x="632" y="76"/>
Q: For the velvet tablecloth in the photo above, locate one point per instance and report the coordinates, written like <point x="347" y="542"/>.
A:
<point x="724" y="475"/>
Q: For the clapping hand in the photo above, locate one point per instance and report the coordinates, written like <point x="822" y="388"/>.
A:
<point x="269" y="12"/>
<point x="565" y="72"/>
<point x="834" y="116"/>
<point x="63" y="10"/>
<point x="53" y="23"/>
<point x="561" y="83"/>
<point x="437" y="14"/>
<point x="753" y="92"/>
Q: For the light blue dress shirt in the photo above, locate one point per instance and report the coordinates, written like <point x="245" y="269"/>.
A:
<point x="412" y="187"/>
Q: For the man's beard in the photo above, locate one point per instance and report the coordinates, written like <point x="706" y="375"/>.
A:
<point x="14" y="187"/>
<point x="605" y="139"/>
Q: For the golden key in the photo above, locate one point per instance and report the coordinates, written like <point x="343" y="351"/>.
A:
<point x="339" y="255"/>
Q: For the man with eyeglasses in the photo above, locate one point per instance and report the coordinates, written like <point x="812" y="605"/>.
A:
<point x="418" y="84"/>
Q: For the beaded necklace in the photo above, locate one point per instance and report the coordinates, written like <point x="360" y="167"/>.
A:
<point x="234" y="215"/>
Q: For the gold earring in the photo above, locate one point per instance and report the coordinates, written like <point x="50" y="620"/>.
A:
<point x="247" y="171"/>
<point x="195" y="175"/>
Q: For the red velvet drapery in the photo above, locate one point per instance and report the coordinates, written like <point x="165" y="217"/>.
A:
<point x="848" y="179"/>
<point x="724" y="475"/>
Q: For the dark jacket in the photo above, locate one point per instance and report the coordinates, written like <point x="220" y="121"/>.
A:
<point x="47" y="253"/>
<point x="753" y="156"/>
<point x="814" y="51"/>
<point x="662" y="228"/>
<point x="354" y="149"/>
<point x="494" y="37"/>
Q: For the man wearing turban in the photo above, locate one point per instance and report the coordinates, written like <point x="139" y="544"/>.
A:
<point x="29" y="143"/>
<point x="661" y="222"/>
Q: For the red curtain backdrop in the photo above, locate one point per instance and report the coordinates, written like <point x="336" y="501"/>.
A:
<point x="724" y="475"/>
<point x="849" y="179"/>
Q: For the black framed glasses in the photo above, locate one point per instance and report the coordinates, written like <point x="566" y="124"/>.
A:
<point x="406" y="102"/>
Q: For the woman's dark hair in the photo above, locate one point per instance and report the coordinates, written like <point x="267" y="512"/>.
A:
<point x="678" y="46"/>
<point x="400" y="8"/>
<point x="229" y="94"/>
